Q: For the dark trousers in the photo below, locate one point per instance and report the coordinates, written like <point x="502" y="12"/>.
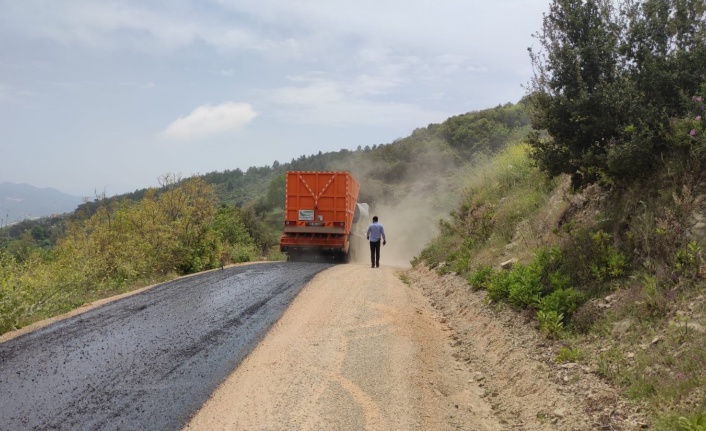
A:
<point x="375" y="253"/>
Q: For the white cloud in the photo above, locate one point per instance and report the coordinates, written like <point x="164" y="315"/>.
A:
<point x="209" y="120"/>
<point x="332" y="103"/>
<point x="309" y="28"/>
<point x="360" y="113"/>
<point x="316" y="93"/>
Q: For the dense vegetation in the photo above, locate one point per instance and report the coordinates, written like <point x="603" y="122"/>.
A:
<point x="615" y="272"/>
<point x="614" y="87"/>
<point x="123" y="244"/>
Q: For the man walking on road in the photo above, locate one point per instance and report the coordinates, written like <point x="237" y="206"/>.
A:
<point x="375" y="232"/>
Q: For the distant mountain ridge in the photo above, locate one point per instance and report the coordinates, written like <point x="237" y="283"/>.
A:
<point x="22" y="201"/>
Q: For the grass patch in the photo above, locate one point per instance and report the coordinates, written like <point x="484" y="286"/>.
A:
<point x="568" y="354"/>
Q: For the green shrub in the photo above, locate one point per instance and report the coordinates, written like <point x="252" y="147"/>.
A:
<point x="519" y="287"/>
<point x="689" y="259"/>
<point x="499" y="287"/>
<point x="562" y="301"/>
<point x="481" y="277"/>
<point x="460" y="261"/>
<point x="655" y="303"/>
<point x="243" y="253"/>
<point x="607" y="262"/>
<point x="550" y="323"/>
<point x="274" y="254"/>
<point x="438" y="249"/>
<point x="525" y="287"/>
<point x="28" y="290"/>
<point x="611" y="363"/>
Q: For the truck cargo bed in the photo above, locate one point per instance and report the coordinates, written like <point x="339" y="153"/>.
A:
<point x="319" y="212"/>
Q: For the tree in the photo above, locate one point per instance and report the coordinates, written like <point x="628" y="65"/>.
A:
<point x="571" y="92"/>
<point x="663" y="51"/>
<point x="608" y="82"/>
<point x="274" y="197"/>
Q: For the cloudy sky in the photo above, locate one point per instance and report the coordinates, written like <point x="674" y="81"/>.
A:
<point x="108" y="95"/>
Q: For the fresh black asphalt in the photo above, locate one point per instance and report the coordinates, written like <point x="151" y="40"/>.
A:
<point x="146" y="362"/>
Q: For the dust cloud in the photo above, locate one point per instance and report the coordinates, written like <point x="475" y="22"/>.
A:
<point x="409" y="226"/>
<point x="410" y="208"/>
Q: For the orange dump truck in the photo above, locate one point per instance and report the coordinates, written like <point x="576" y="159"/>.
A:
<point x="321" y="215"/>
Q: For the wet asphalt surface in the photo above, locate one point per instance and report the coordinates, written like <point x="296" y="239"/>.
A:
<point x="146" y="362"/>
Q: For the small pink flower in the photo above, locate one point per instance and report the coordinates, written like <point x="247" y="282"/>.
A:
<point x="698" y="98"/>
<point x="698" y="118"/>
<point x="693" y="132"/>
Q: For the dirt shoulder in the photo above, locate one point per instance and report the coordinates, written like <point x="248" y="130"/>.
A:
<point x="527" y="388"/>
<point x="360" y="349"/>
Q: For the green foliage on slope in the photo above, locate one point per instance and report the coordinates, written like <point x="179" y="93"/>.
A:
<point x="617" y="271"/>
<point x="124" y="244"/>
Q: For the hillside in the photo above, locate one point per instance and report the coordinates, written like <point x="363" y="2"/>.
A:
<point x="23" y="201"/>
<point x="593" y="231"/>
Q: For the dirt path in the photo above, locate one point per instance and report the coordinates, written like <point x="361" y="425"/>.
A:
<point x="359" y="349"/>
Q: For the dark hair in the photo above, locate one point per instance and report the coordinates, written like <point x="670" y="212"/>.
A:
<point x="375" y="218"/>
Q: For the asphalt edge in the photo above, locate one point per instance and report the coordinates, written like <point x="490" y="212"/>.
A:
<point x="95" y="304"/>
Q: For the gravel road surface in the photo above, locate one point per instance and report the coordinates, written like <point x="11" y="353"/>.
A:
<point x="148" y="361"/>
<point x="358" y="349"/>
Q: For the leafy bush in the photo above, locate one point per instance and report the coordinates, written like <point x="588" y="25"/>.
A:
<point x="542" y="284"/>
<point x="590" y="258"/>
<point x="606" y="100"/>
<point x="243" y="253"/>
<point x="438" y="249"/>
<point x="689" y="260"/>
<point x="519" y="286"/>
<point x="481" y="277"/>
<point x="525" y="286"/>
<point x="607" y="262"/>
<point x="562" y="301"/>
<point x="550" y="323"/>
<point x="499" y="287"/>
<point x="172" y="231"/>
<point x="273" y="254"/>
<point x="28" y="289"/>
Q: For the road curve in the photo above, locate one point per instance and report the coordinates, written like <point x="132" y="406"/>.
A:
<point x="148" y="361"/>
